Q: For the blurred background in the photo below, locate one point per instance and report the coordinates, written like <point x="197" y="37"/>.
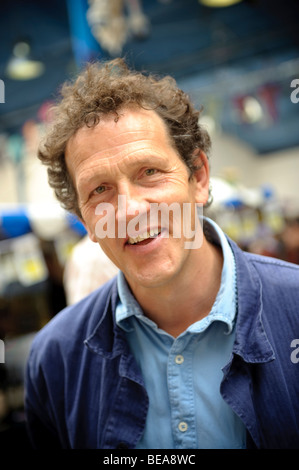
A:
<point x="237" y="59"/>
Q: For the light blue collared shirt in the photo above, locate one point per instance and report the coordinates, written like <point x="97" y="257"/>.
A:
<point x="182" y="375"/>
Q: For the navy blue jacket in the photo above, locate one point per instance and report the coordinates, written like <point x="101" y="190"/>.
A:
<point x="84" y="388"/>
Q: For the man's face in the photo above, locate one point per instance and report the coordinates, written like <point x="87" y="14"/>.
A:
<point x="129" y="165"/>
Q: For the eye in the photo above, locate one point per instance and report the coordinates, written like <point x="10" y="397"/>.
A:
<point x="100" y="189"/>
<point x="150" y="171"/>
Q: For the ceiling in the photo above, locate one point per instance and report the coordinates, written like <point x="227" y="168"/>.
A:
<point x="221" y="56"/>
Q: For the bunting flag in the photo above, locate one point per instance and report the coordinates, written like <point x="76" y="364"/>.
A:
<point x="268" y="94"/>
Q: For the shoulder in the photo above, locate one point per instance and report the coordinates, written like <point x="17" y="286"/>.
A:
<point x="270" y="270"/>
<point x="281" y="272"/>
<point x="70" y="327"/>
<point x="273" y="281"/>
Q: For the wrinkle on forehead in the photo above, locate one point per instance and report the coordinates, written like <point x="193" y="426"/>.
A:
<point x="113" y="135"/>
<point x="126" y="154"/>
<point x="111" y="131"/>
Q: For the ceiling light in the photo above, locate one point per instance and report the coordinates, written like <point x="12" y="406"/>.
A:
<point x="219" y="3"/>
<point x="21" y="66"/>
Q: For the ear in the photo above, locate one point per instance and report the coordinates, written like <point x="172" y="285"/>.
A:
<point x="90" y="233"/>
<point x="201" y="176"/>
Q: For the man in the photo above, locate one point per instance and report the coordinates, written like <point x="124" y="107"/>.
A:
<point x="190" y="345"/>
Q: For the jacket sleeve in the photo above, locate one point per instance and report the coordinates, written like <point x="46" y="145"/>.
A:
<point x="41" y="432"/>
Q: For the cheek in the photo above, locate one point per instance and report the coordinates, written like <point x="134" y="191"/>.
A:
<point x="110" y="249"/>
<point x="90" y="220"/>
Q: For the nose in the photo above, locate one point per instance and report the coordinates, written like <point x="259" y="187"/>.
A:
<point x="131" y="205"/>
<point x="131" y="198"/>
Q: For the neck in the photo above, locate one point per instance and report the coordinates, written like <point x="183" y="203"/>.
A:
<point x="188" y="298"/>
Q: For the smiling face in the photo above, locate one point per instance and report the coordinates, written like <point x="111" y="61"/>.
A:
<point x="132" y="160"/>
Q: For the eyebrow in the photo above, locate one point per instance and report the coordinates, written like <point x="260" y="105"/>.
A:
<point x="149" y="160"/>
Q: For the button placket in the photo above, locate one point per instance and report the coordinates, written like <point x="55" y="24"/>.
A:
<point x="181" y="393"/>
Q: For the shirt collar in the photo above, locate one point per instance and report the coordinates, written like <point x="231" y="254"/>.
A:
<point x="224" y="307"/>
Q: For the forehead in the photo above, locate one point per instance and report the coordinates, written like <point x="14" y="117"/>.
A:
<point x="129" y="130"/>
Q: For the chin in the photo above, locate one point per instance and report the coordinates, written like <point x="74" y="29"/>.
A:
<point x="156" y="278"/>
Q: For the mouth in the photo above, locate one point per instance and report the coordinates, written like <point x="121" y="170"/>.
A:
<point x="144" y="238"/>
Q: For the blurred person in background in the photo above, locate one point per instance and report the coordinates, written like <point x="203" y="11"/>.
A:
<point x="187" y="347"/>
<point x="290" y="241"/>
<point x="82" y="278"/>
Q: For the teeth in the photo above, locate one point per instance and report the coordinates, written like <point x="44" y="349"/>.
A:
<point x="143" y="236"/>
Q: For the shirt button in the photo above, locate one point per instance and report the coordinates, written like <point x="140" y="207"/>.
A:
<point x="179" y="359"/>
<point x="183" y="426"/>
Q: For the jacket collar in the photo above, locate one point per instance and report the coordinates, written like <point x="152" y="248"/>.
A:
<point x="251" y="341"/>
<point x="105" y="337"/>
